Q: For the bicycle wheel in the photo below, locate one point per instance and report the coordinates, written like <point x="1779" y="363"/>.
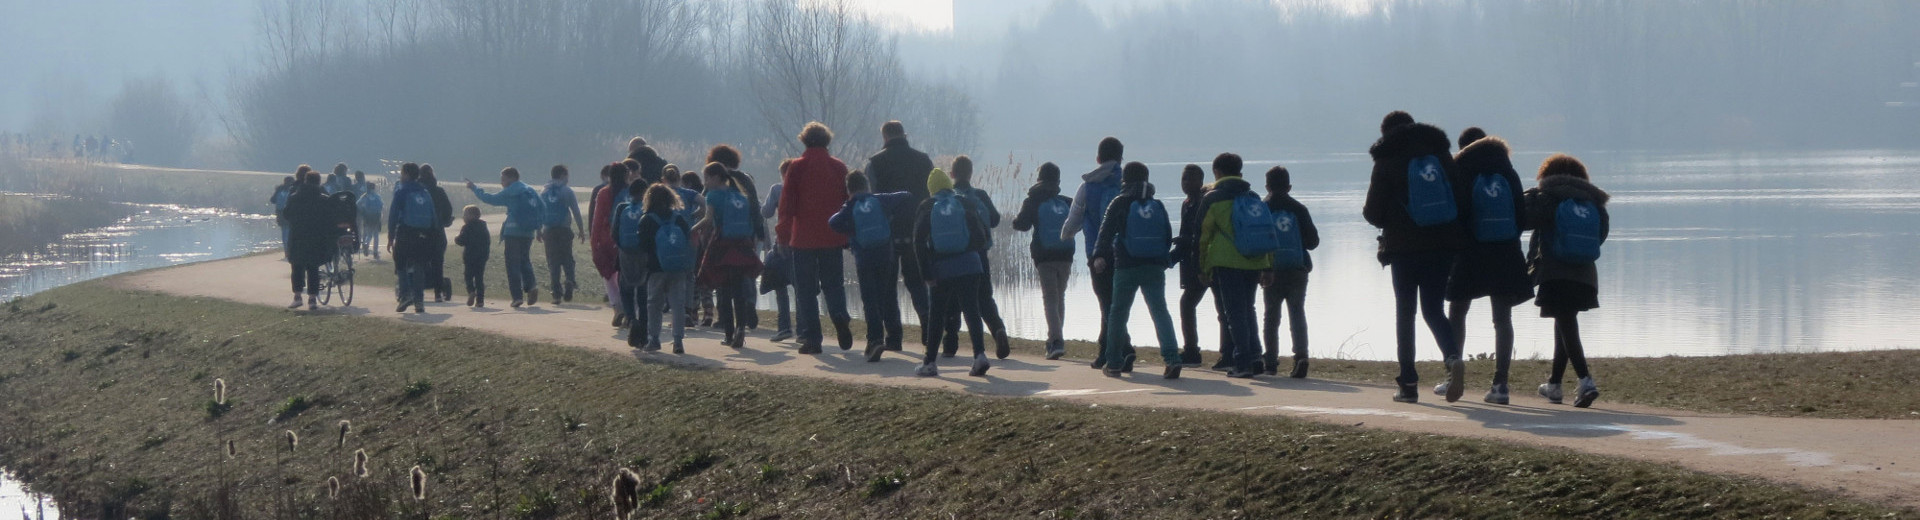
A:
<point x="346" y="287"/>
<point x="327" y="271"/>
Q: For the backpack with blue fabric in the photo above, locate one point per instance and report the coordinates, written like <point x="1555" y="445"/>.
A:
<point x="948" y="219"/>
<point x="529" y="204"/>
<point x="553" y="198"/>
<point x="871" y="227"/>
<point x="734" y="215"/>
<point x="689" y="203"/>
<point x="1291" y="253"/>
<point x="672" y="250"/>
<point x="1253" y="231"/>
<point x="1429" y="192"/>
<point x="626" y="225"/>
<point x="1149" y="234"/>
<point x="1577" y="232"/>
<point x="1099" y="196"/>
<point x="416" y="209"/>
<point x="1493" y="215"/>
<point x="370" y="205"/>
<point x="979" y="207"/>
<point x="1051" y="216"/>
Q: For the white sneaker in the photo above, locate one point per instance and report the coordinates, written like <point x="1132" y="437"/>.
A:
<point x="1497" y="394"/>
<point x="296" y="301"/>
<point x="1551" y="391"/>
<point x="1588" y="392"/>
<point x="1440" y="389"/>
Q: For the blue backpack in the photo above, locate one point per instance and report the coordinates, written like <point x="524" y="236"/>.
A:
<point x="1493" y="209"/>
<point x="671" y="247"/>
<point x="370" y="205"/>
<point x="416" y="210"/>
<point x="1291" y="255"/>
<point x="1149" y="233"/>
<point x="980" y="211"/>
<point x="871" y="227"/>
<point x="734" y="215"/>
<point x="948" y="218"/>
<point x="1253" y="231"/>
<point x="1099" y="196"/>
<point x="556" y="207"/>
<point x="626" y="225"/>
<point x="689" y="202"/>
<point x="1051" y="217"/>
<point x="1576" y="232"/>
<point x="1429" y="192"/>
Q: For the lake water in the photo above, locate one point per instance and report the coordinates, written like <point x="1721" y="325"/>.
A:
<point x="31" y="506"/>
<point x="1709" y="254"/>
<point x="153" y="236"/>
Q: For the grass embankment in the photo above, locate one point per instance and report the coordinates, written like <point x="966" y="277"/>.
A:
<point x="28" y="221"/>
<point x="1839" y="385"/>
<point x="107" y="405"/>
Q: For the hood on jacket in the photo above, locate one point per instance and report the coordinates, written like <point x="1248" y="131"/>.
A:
<point x="1570" y="187"/>
<point x="1043" y="190"/>
<point x="1107" y="170"/>
<point x="1227" y="188"/>
<point x="1143" y="190"/>
<point x="1487" y="154"/>
<point x="1411" y="140"/>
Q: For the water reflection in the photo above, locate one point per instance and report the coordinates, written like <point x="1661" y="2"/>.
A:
<point x="1710" y="254"/>
<point x="32" y="506"/>
<point x="154" y="236"/>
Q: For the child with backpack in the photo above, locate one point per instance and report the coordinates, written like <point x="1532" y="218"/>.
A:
<point x="1186" y="251"/>
<point x="730" y="265"/>
<point x="867" y="221"/>
<point x="1136" y="239"/>
<point x="962" y="175"/>
<point x="1413" y="198"/>
<point x="525" y="214"/>
<point x="1237" y="241"/>
<point x="628" y="216"/>
<point x="412" y="221"/>
<point x="1492" y="265"/>
<point x="557" y="232"/>
<point x="370" y="207"/>
<point x="1044" y="212"/>
<point x="664" y="232"/>
<point x="1291" y="263"/>
<point x="948" y="237"/>
<point x="474" y="241"/>
<point x="702" y="296"/>
<point x="1568" y="215"/>
<point x="1098" y="187"/>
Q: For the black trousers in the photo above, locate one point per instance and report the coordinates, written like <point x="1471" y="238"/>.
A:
<point x="475" y="278"/>
<point x="954" y="298"/>
<point x="559" y="244"/>
<point x="1103" y="291"/>
<point x="306" y="278"/>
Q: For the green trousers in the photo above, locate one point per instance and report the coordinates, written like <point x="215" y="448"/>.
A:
<point x="1151" y="283"/>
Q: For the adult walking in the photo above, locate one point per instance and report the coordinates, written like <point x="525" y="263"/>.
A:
<point x="814" y="188"/>
<point x="411" y="228"/>
<point x="562" y="218"/>
<point x="1097" y="189"/>
<point x="443" y="217"/>
<point x="899" y="167"/>
<point x="310" y="237"/>
<point x="524" y="214"/>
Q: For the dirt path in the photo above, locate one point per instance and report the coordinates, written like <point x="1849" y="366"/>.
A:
<point x="1873" y="459"/>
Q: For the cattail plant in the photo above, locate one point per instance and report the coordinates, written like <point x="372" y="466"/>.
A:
<point x="220" y="392"/>
<point x="360" y="463"/>
<point x="333" y="487"/>
<point x="231" y="452"/>
<point x="419" y="482"/>
<point x="293" y="441"/>
<point x="345" y="427"/>
<point x="626" y="494"/>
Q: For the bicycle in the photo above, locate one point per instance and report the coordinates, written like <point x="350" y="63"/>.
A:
<point x="336" y="276"/>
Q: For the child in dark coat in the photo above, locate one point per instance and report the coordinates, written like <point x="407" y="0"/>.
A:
<point x="1568" y="286"/>
<point x="475" y="240"/>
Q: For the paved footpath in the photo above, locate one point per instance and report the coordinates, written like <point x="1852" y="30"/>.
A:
<point x="1872" y="459"/>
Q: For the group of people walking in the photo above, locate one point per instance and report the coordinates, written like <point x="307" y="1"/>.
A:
<point x="663" y="241"/>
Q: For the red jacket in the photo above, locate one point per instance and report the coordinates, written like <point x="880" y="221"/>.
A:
<point x="606" y="254"/>
<point x="815" y="187"/>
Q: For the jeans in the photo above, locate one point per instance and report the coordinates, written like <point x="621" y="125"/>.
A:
<point x="909" y="269"/>
<point x="413" y="253"/>
<point x="954" y="297"/>
<point x="669" y="292"/>
<point x="1567" y="348"/>
<point x="1233" y="297"/>
<point x="519" y="253"/>
<point x="1289" y="292"/>
<point x="370" y="244"/>
<point x="1502" y="332"/>
<point x="735" y="304"/>
<point x="783" y="316"/>
<point x="1151" y="283"/>
<point x="1053" y="295"/>
<point x="475" y="278"/>
<point x="816" y="273"/>
<point x="559" y="245"/>
<point x="306" y="278"/>
<point x="879" y="296"/>
<point x="1103" y="292"/>
<point x="1421" y="279"/>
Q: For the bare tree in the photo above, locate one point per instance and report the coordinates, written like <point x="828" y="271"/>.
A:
<point x="160" y="124"/>
<point x="825" y="62"/>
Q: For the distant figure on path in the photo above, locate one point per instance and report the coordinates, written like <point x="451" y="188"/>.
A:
<point x="443" y="217"/>
<point x="1136" y="241"/>
<point x="562" y="217"/>
<point x="948" y="239"/>
<point x="962" y="174"/>
<point x="1186" y="251"/>
<point x="412" y="224"/>
<point x="1233" y="261"/>
<point x="523" y="223"/>
<point x="867" y="220"/>
<point x="731" y="261"/>
<point x="310" y="241"/>
<point x="1044" y="212"/>
<point x="1292" y="261"/>
<point x="476" y="244"/>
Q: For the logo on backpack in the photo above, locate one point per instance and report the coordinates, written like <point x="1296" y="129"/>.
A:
<point x="1149" y="236"/>
<point x="949" y="225"/>
<point x="1254" y="233"/>
<point x="1577" y="232"/>
<point x="626" y="233"/>
<point x="1493" y="212"/>
<point x="734" y="216"/>
<point x="1290" y="253"/>
<point x="671" y="249"/>
<point x="418" y="211"/>
<point x="1052" y="216"/>
<point x="1429" y="194"/>
<point x="871" y="227"/>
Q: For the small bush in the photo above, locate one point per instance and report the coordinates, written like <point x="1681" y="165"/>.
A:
<point x="658" y="496"/>
<point x="416" y="389"/>
<point x="882" y="485"/>
<point x="292" y="407"/>
<point x="215" y="409"/>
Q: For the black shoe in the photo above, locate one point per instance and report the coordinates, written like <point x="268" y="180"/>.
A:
<point x="1299" y="369"/>
<point x="1172" y="372"/>
<point x="1456" y="379"/>
<point x="1100" y="363"/>
<point x="980" y="366"/>
<point x="846" y="335"/>
<point x="403" y="306"/>
<point x="894" y="346"/>
<point x="480" y="301"/>
<point x="418" y="308"/>
<point x="1126" y="367"/>
<point x="1056" y="350"/>
<point x="1408" y="394"/>
<point x="1110" y="372"/>
<point x="469" y="299"/>
<point x="619" y="320"/>
<point x="950" y="351"/>
<point x="874" y="351"/>
<point x="810" y="348"/>
<point x="637" y="339"/>
<point x="1190" y="356"/>
<point x="570" y="287"/>
<point x="1002" y="346"/>
<point x="1243" y="373"/>
<point x="1223" y="365"/>
<point x="533" y="296"/>
<point x="1272" y="364"/>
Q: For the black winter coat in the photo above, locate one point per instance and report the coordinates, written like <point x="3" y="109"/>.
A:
<point x="899" y="167"/>
<point x="1029" y="217"/>
<point x="1386" y="206"/>
<point x="475" y="240"/>
<point x="1542" y="202"/>
<point x="1186" y="246"/>
<point x="311" y="229"/>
